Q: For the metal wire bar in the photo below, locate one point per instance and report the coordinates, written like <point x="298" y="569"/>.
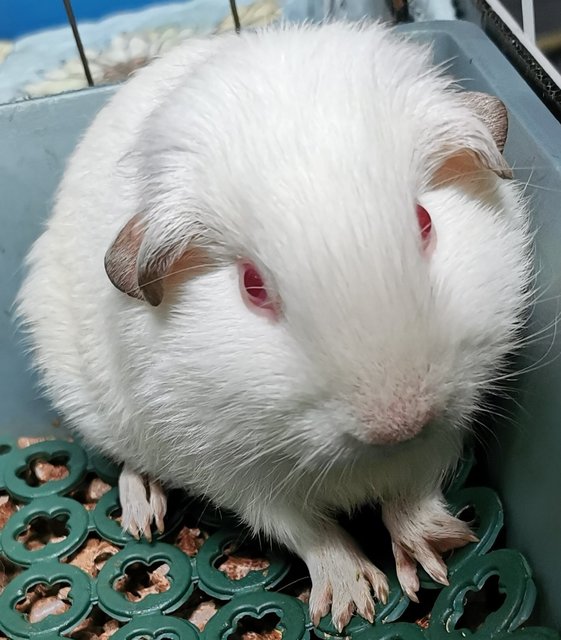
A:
<point x="497" y="8"/>
<point x="529" y="19"/>
<point x="235" y="16"/>
<point x="76" y="33"/>
<point x="532" y="64"/>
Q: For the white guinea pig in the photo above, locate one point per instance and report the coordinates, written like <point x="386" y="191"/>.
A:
<point x="281" y="271"/>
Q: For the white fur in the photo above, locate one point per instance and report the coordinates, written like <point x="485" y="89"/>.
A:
<point x="305" y="149"/>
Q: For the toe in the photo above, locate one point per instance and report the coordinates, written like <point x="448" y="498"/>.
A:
<point x="147" y="530"/>
<point x="443" y="545"/>
<point x="341" y="610"/>
<point x="365" y="604"/>
<point x="448" y="532"/>
<point x="132" y="520"/>
<point x="406" y="569"/>
<point x="320" y="602"/>
<point x="137" y="511"/>
<point x="432" y="563"/>
<point x="137" y="518"/>
<point x="158" y="505"/>
<point x="129" y="525"/>
<point x="379" y="583"/>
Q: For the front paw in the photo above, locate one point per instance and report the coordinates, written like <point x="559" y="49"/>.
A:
<point x="344" y="582"/>
<point x="142" y="502"/>
<point x="421" y="533"/>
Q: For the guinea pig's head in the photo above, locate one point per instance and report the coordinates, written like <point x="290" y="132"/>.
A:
<point x="353" y="203"/>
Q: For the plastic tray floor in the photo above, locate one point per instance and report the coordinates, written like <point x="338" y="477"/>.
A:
<point x="195" y="574"/>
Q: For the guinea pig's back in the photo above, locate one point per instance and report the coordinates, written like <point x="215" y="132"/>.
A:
<point x="71" y="313"/>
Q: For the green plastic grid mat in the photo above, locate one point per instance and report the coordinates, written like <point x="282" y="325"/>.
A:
<point x="67" y="570"/>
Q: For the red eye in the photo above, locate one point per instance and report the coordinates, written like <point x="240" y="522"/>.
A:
<point x="254" y="290"/>
<point x="254" y="286"/>
<point x="425" y="224"/>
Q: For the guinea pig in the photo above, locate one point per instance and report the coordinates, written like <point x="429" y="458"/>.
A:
<point x="282" y="271"/>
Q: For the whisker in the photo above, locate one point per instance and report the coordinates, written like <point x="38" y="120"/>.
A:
<point x="293" y="582"/>
<point x="176" y="272"/>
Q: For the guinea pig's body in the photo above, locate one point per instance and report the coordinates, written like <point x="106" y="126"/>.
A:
<point x="305" y="151"/>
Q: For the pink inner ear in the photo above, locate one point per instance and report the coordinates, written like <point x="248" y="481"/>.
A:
<point x="426" y="229"/>
<point x="254" y="291"/>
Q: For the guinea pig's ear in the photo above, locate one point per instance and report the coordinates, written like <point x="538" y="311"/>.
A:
<point x="474" y="148"/>
<point x="141" y="271"/>
<point x="492" y="112"/>
<point x="120" y="259"/>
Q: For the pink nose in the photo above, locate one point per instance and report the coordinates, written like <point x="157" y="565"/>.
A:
<point x="385" y="434"/>
<point x="395" y="426"/>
